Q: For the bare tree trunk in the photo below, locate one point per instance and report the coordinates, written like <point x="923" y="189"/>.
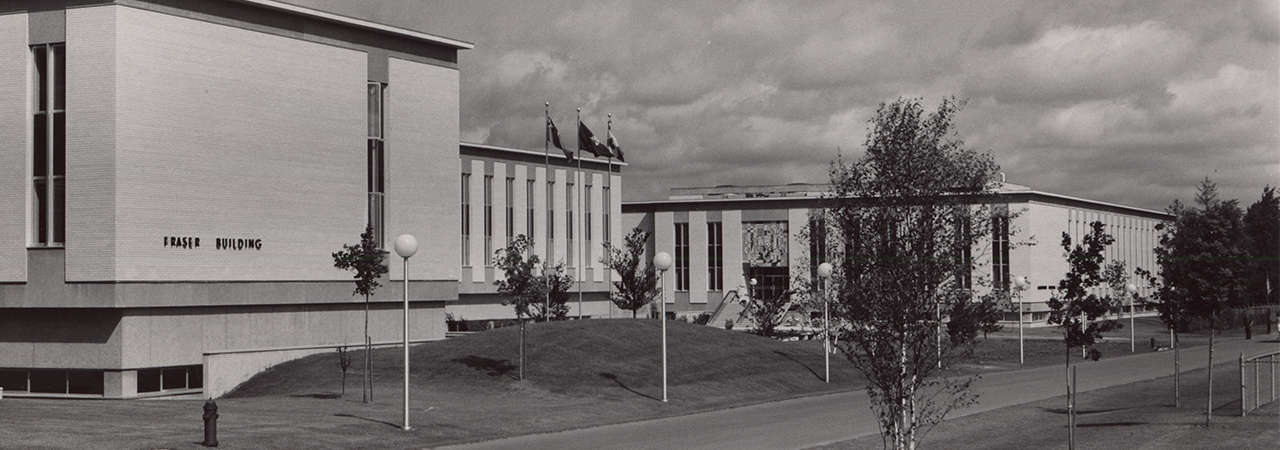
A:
<point x="521" y="349"/>
<point x="1208" y="415"/>
<point x="1177" y="372"/>
<point x="366" y="387"/>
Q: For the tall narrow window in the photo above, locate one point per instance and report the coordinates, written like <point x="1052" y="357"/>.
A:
<point x="528" y="208"/>
<point x="510" y="207"/>
<point x="568" y="223"/>
<point x="377" y="160"/>
<point x="50" y="146"/>
<point x="586" y="227"/>
<point x="715" y="256"/>
<point x="604" y="219"/>
<point x="817" y="243"/>
<point x="488" y="218"/>
<point x="466" y="219"/>
<point x="1000" y="252"/>
<point x="682" y="256"/>
<point x="551" y="222"/>
<point x="964" y="252"/>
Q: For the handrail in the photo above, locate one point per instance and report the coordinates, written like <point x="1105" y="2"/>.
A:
<point x="715" y="316"/>
<point x="1272" y="363"/>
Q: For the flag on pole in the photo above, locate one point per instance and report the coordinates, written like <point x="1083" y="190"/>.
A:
<point x="553" y="135"/>
<point x="614" y="147"/>
<point x="587" y="142"/>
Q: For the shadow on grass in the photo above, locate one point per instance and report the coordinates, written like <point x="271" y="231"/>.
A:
<point x="492" y="367"/>
<point x="368" y="420"/>
<point x="1083" y="412"/>
<point x="1110" y="424"/>
<point x="784" y="355"/>
<point x="615" y="379"/>
<point x="331" y="395"/>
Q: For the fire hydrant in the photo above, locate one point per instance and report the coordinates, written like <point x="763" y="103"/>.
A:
<point x="210" y="424"/>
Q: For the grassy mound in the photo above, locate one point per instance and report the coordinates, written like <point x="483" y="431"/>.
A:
<point x="593" y="358"/>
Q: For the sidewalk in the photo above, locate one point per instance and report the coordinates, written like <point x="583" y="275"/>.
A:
<point x="813" y="421"/>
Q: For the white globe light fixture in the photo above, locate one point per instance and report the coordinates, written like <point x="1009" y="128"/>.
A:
<point x="1133" y="293"/>
<point x="1021" y="283"/>
<point x="824" y="272"/>
<point x="662" y="262"/>
<point x="406" y="245"/>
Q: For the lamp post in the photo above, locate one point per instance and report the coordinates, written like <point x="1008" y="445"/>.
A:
<point x="1020" y="283"/>
<point x="406" y="246"/>
<point x="1133" y="291"/>
<point x="662" y="262"/>
<point x="824" y="272"/>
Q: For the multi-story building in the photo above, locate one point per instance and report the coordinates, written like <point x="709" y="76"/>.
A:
<point x="571" y="209"/>
<point x="177" y="174"/>
<point x="721" y="238"/>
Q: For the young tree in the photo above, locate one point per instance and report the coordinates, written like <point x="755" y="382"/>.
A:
<point x="1204" y="261"/>
<point x="766" y="312"/>
<point x="900" y="218"/>
<point x="557" y="284"/>
<point x="344" y="363"/>
<point x="637" y="281"/>
<point x="368" y="261"/>
<point x="968" y="317"/>
<point x="1074" y="309"/>
<point x="522" y="288"/>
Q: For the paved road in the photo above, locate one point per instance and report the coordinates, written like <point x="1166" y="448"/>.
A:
<point x="813" y="421"/>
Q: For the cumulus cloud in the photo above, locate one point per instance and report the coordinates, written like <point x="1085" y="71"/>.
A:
<point x="1127" y="102"/>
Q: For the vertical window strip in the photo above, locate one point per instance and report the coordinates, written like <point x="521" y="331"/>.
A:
<point x="49" y="146"/>
<point x="715" y="256"/>
<point x="570" y="251"/>
<point x="488" y="219"/>
<point x="528" y="208"/>
<point x="586" y="227"/>
<point x="377" y="159"/>
<point x="466" y="219"/>
<point x="682" y="256"/>
<point x="510" y="209"/>
<point x="551" y="220"/>
<point x="608" y="237"/>
<point x="1000" y="252"/>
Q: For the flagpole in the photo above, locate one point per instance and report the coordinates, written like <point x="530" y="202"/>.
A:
<point x="607" y="206"/>
<point x="546" y="169"/>
<point x="577" y="268"/>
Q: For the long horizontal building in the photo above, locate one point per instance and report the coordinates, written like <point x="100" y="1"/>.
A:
<point x="723" y="237"/>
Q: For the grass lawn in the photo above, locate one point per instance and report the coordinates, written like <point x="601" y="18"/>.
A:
<point x="578" y="374"/>
<point x="1132" y="416"/>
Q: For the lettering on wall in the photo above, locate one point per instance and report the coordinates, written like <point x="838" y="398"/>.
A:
<point x="191" y="243"/>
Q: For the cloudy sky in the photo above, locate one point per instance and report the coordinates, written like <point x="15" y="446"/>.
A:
<point x="1131" y="102"/>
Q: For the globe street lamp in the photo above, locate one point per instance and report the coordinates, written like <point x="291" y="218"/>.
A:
<point x="1021" y="283"/>
<point x="406" y="246"/>
<point x="662" y="262"/>
<point x="824" y="272"/>
<point x="1133" y="292"/>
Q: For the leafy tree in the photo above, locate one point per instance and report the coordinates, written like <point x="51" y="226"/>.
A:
<point x="968" y="318"/>
<point x="557" y="283"/>
<point x="766" y="312"/>
<point x="1204" y="259"/>
<point x="368" y="261"/>
<point x="1262" y="225"/>
<point x="521" y="287"/>
<point x="637" y="281"/>
<point x="900" y="219"/>
<point x="537" y="296"/>
<point x="1074" y="309"/>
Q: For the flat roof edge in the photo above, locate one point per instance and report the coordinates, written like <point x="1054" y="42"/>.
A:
<point x="359" y="23"/>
